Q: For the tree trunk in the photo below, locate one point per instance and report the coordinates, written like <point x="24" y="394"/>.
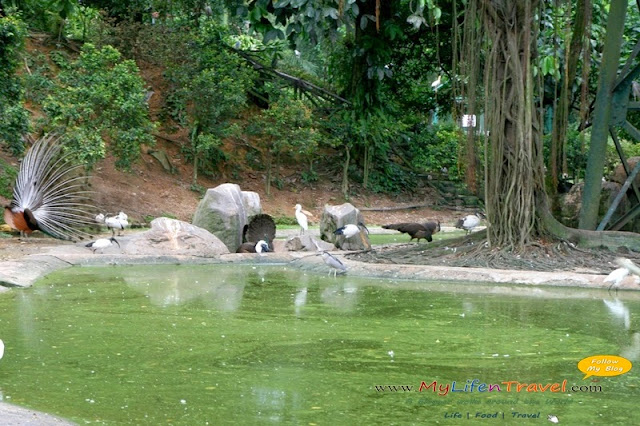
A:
<point x="514" y="177"/>
<point x="561" y="112"/>
<point x="194" y="146"/>
<point x="469" y="65"/>
<point x="602" y="115"/>
<point x="268" y="183"/>
<point x="345" y="172"/>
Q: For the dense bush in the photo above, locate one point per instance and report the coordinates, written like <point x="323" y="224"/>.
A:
<point x="14" y="119"/>
<point x="435" y="147"/>
<point x="286" y="128"/>
<point x="100" y="96"/>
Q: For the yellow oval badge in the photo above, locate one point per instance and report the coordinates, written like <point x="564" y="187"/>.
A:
<point x="604" y="365"/>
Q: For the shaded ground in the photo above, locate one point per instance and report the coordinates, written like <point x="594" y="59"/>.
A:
<point x="472" y="251"/>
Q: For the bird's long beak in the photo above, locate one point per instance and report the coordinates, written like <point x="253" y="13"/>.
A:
<point x="116" y="241"/>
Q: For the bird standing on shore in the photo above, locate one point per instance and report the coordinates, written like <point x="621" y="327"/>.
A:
<point x="101" y="243"/>
<point x="416" y="230"/>
<point x="118" y="222"/>
<point x="259" y="247"/>
<point x="301" y="217"/>
<point x="333" y="262"/>
<point x="351" y="230"/>
<point x="618" y="275"/>
<point x="49" y="194"/>
<point x="469" y="222"/>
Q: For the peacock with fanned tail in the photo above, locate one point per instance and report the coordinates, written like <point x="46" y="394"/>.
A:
<point x="49" y="194"/>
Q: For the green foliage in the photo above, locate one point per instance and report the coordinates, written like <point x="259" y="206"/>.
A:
<point x="433" y="147"/>
<point x="389" y="177"/>
<point x="38" y="83"/>
<point x="286" y="128"/>
<point x="286" y="220"/>
<point x="14" y="119"/>
<point x="8" y="175"/>
<point x="208" y="90"/>
<point x="101" y="96"/>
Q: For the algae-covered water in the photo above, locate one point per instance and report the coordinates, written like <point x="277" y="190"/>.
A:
<point x="269" y="345"/>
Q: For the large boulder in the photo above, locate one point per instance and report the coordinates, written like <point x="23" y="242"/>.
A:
<point x="251" y="201"/>
<point x="620" y="176"/>
<point x="173" y="237"/>
<point x="334" y="217"/>
<point x="306" y="243"/>
<point x="571" y="202"/>
<point x="224" y="211"/>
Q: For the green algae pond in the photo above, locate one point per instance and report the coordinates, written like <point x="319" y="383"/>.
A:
<point x="270" y="345"/>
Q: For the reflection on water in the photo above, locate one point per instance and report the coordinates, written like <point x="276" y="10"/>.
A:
<point x="268" y="345"/>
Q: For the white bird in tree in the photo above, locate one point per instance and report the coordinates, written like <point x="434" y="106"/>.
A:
<point x="436" y="83"/>
<point x="102" y="243"/>
<point x="301" y="217"/>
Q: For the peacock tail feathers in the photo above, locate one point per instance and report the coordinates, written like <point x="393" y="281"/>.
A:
<point x="261" y="227"/>
<point x="50" y="189"/>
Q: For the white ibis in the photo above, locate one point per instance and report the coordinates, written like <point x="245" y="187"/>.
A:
<point x="118" y="222"/>
<point x="49" y="194"/>
<point x="301" y="217"/>
<point x="101" y="244"/>
<point x="469" y="222"/>
<point x="260" y="247"/>
<point x="351" y="230"/>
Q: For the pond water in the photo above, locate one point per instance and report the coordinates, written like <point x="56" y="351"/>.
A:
<point x="269" y="345"/>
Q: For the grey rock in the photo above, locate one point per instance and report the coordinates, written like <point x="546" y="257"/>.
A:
<point x="306" y="243"/>
<point x="222" y="212"/>
<point x="334" y="217"/>
<point x="172" y="237"/>
<point x="252" y="205"/>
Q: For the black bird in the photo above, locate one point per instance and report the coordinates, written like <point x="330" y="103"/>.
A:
<point x="416" y="230"/>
